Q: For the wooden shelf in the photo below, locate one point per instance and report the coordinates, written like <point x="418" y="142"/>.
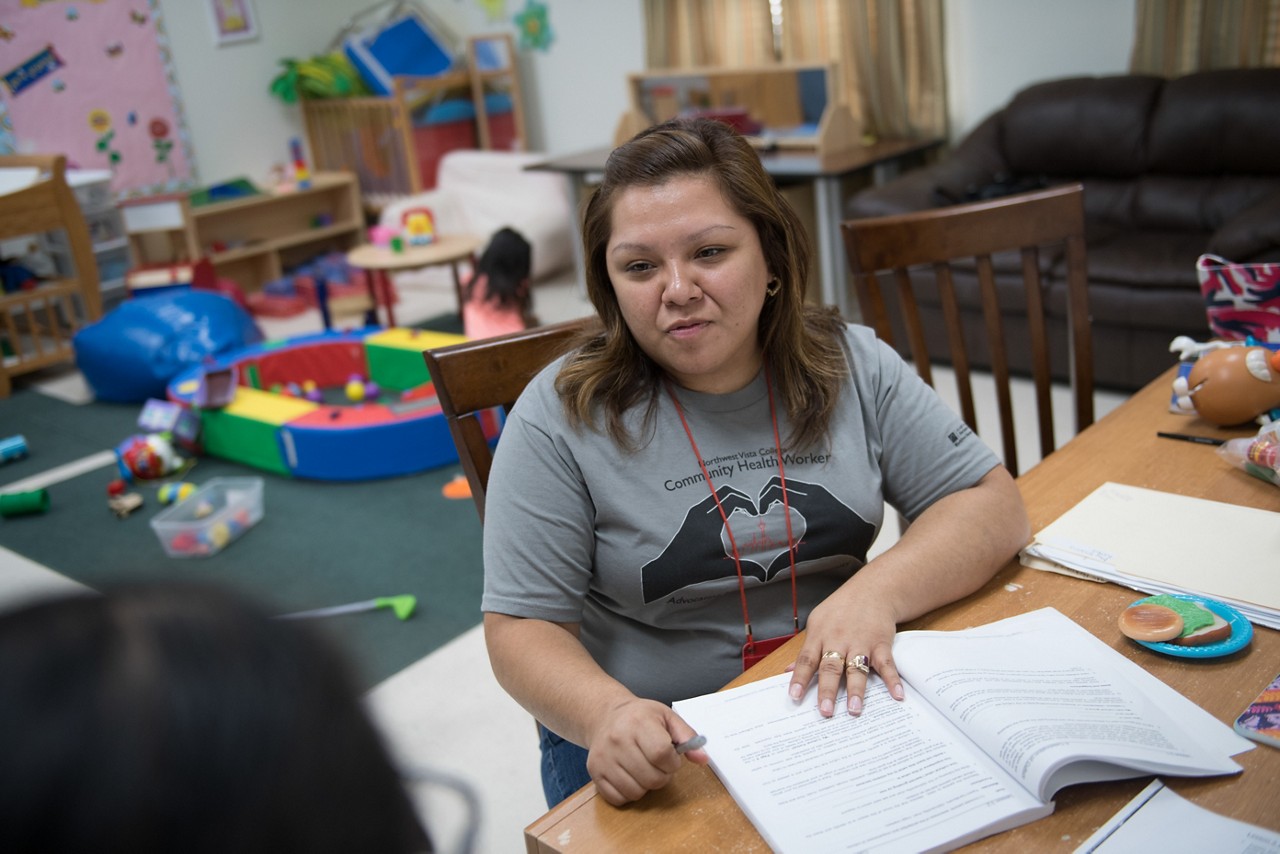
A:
<point x="262" y="235"/>
<point x="799" y="105"/>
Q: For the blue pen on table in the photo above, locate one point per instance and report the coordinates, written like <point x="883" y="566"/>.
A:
<point x="692" y="744"/>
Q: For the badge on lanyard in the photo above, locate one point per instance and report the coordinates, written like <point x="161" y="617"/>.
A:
<point x="754" y="651"/>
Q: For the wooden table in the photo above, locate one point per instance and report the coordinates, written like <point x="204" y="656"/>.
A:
<point x="450" y="249"/>
<point x="696" y="814"/>
<point x="881" y="159"/>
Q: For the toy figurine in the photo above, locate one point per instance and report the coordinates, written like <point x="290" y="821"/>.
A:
<point x="147" y="457"/>
<point x="1231" y="385"/>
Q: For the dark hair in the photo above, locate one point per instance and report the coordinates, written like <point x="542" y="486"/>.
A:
<point x="182" y="718"/>
<point x="507" y="262"/>
<point x="799" y="341"/>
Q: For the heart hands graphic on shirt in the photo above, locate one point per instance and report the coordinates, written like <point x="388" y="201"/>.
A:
<point x="702" y="550"/>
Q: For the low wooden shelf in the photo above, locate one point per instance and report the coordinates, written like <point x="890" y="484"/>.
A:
<point x="251" y="240"/>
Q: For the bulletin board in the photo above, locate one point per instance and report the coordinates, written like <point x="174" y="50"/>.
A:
<point x="91" y="79"/>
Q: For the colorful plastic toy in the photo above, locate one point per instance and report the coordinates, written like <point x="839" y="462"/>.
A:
<point x="419" y="226"/>
<point x="1231" y="385"/>
<point x="13" y="448"/>
<point x="24" y="503"/>
<point x="147" y="457"/>
<point x="173" y="493"/>
<point x="298" y="437"/>
<point x="403" y="606"/>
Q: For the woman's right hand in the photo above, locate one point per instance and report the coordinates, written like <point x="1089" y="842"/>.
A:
<point x="633" y="750"/>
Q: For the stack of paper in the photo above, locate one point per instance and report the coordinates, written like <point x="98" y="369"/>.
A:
<point x="1158" y="542"/>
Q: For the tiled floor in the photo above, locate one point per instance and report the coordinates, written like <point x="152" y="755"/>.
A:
<point x="446" y="711"/>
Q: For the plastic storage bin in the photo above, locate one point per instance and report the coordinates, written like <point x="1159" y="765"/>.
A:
<point x="216" y="515"/>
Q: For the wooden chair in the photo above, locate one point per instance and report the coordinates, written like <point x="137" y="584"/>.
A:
<point x="478" y="375"/>
<point x="36" y="326"/>
<point x="972" y="234"/>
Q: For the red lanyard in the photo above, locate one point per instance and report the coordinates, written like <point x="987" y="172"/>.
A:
<point x="750" y="651"/>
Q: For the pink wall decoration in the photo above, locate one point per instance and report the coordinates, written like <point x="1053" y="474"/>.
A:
<point x="92" y="79"/>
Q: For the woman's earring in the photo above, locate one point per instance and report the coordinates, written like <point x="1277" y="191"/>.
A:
<point x="772" y="287"/>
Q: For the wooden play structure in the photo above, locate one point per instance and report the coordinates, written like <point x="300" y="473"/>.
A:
<point x="37" y="323"/>
<point x="393" y="144"/>
<point x="790" y="105"/>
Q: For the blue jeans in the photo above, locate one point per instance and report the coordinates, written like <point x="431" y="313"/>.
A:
<point x="564" y="766"/>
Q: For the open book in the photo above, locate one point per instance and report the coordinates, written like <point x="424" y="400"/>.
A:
<point x="997" y="719"/>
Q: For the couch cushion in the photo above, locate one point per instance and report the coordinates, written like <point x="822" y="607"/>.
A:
<point x="1253" y="234"/>
<point x="1080" y="126"/>
<point x="1223" y="121"/>
<point x="1147" y="259"/>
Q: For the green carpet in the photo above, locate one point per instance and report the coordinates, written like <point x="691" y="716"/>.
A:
<point x="318" y="544"/>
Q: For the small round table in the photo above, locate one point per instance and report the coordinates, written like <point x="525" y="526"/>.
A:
<point x="380" y="260"/>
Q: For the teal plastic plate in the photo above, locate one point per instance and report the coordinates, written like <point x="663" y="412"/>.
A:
<point x="1241" y="631"/>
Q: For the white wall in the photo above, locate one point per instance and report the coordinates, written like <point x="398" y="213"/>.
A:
<point x="996" y="47"/>
<point x="575" y="91"/>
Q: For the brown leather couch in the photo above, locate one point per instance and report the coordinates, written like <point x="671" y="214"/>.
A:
<point x="1171" y="169"/>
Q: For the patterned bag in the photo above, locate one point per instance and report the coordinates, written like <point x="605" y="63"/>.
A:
<point x="1241" y="300"/>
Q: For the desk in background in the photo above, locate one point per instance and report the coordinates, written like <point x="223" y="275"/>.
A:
<point x="696" y="814"/>
<point x="882" y="160"/>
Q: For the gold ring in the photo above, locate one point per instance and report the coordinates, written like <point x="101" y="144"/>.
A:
<point x="831" y="653"/>
<point x="859" y="662"/>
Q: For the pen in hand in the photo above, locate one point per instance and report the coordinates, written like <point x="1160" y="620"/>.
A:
<point x="692" y="744"/>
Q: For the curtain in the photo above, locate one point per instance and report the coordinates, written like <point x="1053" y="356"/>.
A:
<point x="720" y="33"/>
<point x="890" y="58"/>
<point x="1176" y="37"/>
<point x="889" y="53"/>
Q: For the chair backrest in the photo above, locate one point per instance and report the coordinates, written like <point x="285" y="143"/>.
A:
<point x="477" y="375"/>
<point x="971" y="234"/>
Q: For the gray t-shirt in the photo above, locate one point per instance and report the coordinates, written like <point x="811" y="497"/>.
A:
<point x="631" y="544"/>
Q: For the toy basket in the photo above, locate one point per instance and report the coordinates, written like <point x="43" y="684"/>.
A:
<point x="216" y="515"/>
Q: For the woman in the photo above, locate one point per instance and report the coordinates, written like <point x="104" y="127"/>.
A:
<point x="686" y="490"/>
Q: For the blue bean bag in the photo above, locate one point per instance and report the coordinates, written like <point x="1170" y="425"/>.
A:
<point x="137" y="348"/>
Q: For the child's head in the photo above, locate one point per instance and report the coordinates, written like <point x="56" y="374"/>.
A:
<point x="507" y="262"/>
<point x="162" y="717"/>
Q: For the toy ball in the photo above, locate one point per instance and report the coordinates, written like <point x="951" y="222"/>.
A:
<point x="355" y="391"/>
<point x="315" y="395"/>
<point x="218" y="535"/>
<point x="204" y="508"/>
<point x="309" y="386"/>
<point x="184" y="541"/>
<point x="175" y="493"/>
<point x="371" y="390"/>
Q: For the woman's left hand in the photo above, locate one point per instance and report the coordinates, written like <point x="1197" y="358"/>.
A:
<point x="949" y="551"/>
<point x="846" y="625"/>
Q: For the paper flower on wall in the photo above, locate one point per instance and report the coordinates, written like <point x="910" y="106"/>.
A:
<point x="535" y="30"/>
<point x="494" y="10"/>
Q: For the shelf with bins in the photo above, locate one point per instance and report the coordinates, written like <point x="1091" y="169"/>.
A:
<point x="254" y="239"/>
<point x="92" y="189"/>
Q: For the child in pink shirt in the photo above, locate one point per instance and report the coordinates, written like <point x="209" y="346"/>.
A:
<point x="497" y="300"/>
